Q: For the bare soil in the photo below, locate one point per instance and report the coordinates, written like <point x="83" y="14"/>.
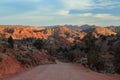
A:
<point x="62" y="71"/>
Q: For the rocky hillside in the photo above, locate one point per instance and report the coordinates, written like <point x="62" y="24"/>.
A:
<point x="22" y="55"/>
<point x="60" y="35"/>
<point x="59" y="41"/>
<point x="103" y="31"/>
<point x="20" y="32"/>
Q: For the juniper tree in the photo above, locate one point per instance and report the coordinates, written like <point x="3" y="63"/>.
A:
<point x="11" y="42"/>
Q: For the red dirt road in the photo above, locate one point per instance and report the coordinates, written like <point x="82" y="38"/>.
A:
<point x="62" y="71"/>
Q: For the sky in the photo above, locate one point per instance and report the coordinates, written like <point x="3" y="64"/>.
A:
<point x="59" y="12"/>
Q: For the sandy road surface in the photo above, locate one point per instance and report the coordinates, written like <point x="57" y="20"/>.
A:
<point x="62" y="71"/>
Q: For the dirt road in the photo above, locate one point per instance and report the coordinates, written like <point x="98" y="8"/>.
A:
<point x="62" y="71"/>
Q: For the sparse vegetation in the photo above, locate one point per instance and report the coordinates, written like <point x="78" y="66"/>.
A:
<point x="26" y="59"/>
<point x="93" y="54"/>
<point x="70" y="56"/>
<point x="9" y="30"/>
<point x="39" y="44"/>
<point x="103" y="37"/>
<point x="1" y="57"/>
<point x="33" y="47"/>
<point x="117" y="57"/>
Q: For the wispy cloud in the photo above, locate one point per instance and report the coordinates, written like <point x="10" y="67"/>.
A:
<point x="107" y="16"/>
<point x="108" y="4"/>
<point x="87" y="14"/>
<point x="91" y="4"/>
<point x="101" y="16"/>
<point x="77" y="4"/>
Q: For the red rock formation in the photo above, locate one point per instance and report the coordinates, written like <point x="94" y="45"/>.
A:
<point x="104" y="31"/>
<point x="9" y="65"/>
<point x="22" y="32"/>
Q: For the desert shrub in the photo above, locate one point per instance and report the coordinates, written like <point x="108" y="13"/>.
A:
<point x="4" y="45"/>
<point x="39" y="44"/>
<point x="110" y="49"/>
<point x="77" y="46"/>
<point x="103" y="37"/>
<point x="2" y="39"/>
<point x="61" y="52"/>
<point x="11" y="42"/>
<point x="26" y="59"/>
<point x="95" y="61"/>
<point x="71" y="56"/>
<point x="109" y="67"/>
<point x="118" y="34"/>
<point x="9" y="30"/>
<point x="110" y="42"/>
<point x="117" y="57"/>
<point x="1" y="57"/>
<point x="66" y="54"/>
<point x="28" y="39"/>
<point x="92" y="50"/>
<point x="60" y="49"/>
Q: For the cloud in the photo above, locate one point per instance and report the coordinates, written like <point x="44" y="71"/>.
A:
<point x="62" y="12"/>
<point x="47" y="7"/>
<point x="77" y="4"/>
<point x="90" y="4"/>
<point x="107" y="16"/>
<point x="99" y="16"/>
<point x="87" y="14"/>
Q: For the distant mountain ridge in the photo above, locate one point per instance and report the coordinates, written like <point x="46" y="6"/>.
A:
<point x="68" y="31"/>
